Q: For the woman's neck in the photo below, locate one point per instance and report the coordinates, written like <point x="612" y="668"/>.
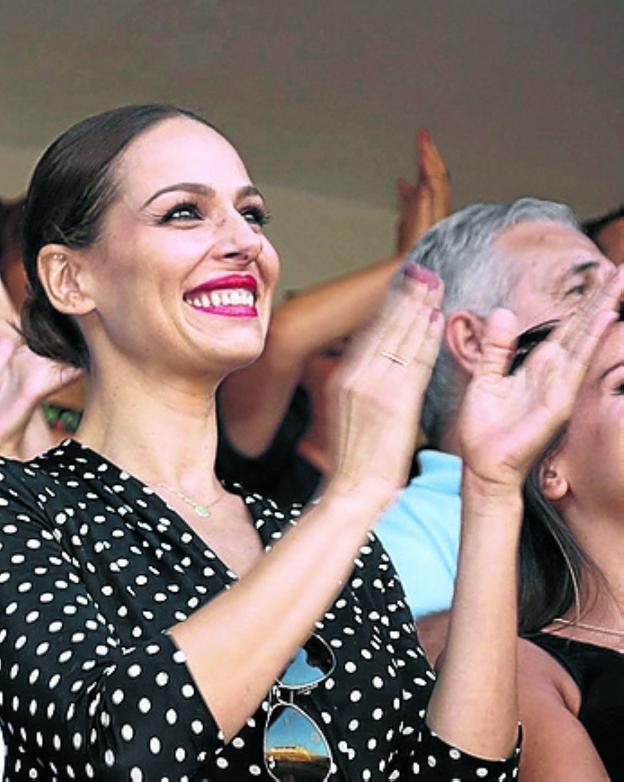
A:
<point x="601" y="536"/>
<point x="160" y="431"/>
<point x="599" y="618"/>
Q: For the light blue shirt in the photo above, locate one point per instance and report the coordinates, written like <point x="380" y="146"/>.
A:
<point x="420" y="532"/>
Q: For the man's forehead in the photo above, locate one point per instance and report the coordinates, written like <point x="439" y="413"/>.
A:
<point x="532" y="234"/>
<point x="548" y="248"/>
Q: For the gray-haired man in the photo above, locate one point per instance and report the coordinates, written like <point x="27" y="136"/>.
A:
<point x="529" y="256"/>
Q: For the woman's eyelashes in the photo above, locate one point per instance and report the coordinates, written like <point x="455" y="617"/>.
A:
<point x="189" y="211"/>
<point x="185" y="210"/>
<point x="256" y="215"/>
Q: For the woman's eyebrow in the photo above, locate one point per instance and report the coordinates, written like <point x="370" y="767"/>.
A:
<point x="188" y="187"/>
<point x="615" y="366"/>
<point x="200" y="189"/>
<point x="249" y="190"/>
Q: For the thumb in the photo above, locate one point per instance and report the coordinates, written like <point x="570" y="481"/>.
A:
<point x="497" y="344"/>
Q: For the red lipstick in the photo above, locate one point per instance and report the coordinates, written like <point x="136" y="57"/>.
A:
<point x="233" y="295"/>
<point x="244" y="281"/>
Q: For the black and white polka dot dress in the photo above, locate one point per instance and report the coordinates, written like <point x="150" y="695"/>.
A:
<point x="94" y="567"/>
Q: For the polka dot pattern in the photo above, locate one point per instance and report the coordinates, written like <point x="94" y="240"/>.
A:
<point x="94" y="568"/>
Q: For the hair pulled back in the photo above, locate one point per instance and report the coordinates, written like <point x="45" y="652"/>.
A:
<point x="10" y="229"/>
<point x="71" y="188"/>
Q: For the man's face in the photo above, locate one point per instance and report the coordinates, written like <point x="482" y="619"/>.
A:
<point x="555" y="265"/>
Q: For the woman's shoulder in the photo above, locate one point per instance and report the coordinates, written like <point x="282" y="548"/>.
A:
<point x="543" y="666"/>
<point x="37" y="476"/>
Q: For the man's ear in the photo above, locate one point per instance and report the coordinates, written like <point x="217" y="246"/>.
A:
<point x="552" y="481"/>
<point x="60" y="274"/>
<point x="464" y="332"/>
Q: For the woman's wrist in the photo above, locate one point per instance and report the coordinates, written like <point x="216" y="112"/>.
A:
<point x="365" y="501"/>
<point x="479" y="487"/>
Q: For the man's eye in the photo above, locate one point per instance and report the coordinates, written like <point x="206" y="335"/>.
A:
<point x="578" y="290"/>
<point x="185" y="211"/>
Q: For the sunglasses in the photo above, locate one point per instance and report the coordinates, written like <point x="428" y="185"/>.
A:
<point x="531" y="338"/>
<point x="295" y="748"/>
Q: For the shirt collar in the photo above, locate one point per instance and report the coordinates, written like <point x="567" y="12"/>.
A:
<point x="439" y="471"/>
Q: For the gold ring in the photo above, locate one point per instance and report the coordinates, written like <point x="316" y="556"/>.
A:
<point x="394" y="358"/>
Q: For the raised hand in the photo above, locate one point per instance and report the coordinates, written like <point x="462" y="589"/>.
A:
<point x="377" y="393"/>
<point x="429" y="200"/>
<point x="507" y="420"/>
<point x="26" y="379"/>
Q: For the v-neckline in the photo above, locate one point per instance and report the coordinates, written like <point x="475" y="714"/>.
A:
<point x="249" y="499"/>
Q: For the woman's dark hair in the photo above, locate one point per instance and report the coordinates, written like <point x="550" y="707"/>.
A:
<point x="70" y="191"/>
<point x="10" y="228"/>
<point x="552" y="565"/>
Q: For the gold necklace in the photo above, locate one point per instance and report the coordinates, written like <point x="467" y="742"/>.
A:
<point x="201" y="508"/>
<point x="593" y="628"/>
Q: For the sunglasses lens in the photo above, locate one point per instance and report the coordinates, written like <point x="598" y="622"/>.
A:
<point x="312" y="663"/>
<point x="295" y="750"/>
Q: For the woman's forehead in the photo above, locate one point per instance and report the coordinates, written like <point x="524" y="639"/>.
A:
<point x="179" y="149"/>
<point x="609" y="352"/>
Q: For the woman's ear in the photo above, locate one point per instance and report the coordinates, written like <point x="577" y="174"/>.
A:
<point x="463" y="334"/>
<point x="552" y="482"/>
<point x="60" y="274"/>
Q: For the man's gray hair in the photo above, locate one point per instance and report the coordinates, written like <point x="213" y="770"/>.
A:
<point x="461" y="251"/>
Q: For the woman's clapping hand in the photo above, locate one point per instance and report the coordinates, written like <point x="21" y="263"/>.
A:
<point x="508" y="419"/>
<point x="378" y="391"/>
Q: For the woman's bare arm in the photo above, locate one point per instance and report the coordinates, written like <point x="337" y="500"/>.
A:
<point x="557" y="747"/>
<point x="238" y="643"/>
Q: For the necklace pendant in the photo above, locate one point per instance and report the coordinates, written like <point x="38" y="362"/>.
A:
<point x="203" y="511"/>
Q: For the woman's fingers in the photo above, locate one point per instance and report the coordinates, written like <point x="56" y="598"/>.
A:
<point x="498" y="342"/>
<point x="405" y="319"/>
<point x="418" y="335"/>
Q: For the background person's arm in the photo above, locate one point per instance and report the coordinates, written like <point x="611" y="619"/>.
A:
<point x="312" y="319"/>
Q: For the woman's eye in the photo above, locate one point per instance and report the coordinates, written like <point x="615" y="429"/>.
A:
<point x="186" y="211"/>
<point x="619" y="389"/>
<point x="256" y="216"/>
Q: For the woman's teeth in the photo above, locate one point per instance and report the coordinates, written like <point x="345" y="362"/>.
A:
<point x="237" y="297"/>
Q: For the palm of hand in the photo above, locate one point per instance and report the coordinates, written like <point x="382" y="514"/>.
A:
<point x="507" y="420"/>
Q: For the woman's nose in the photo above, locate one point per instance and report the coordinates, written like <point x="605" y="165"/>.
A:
<point x="238" y="241"/>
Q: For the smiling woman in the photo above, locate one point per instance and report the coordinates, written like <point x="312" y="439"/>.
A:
<point x="135" y="584"/>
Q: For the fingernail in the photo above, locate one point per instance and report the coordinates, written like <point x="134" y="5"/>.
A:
<point x="422" y="274"/>
<point x="435" y="315"/>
